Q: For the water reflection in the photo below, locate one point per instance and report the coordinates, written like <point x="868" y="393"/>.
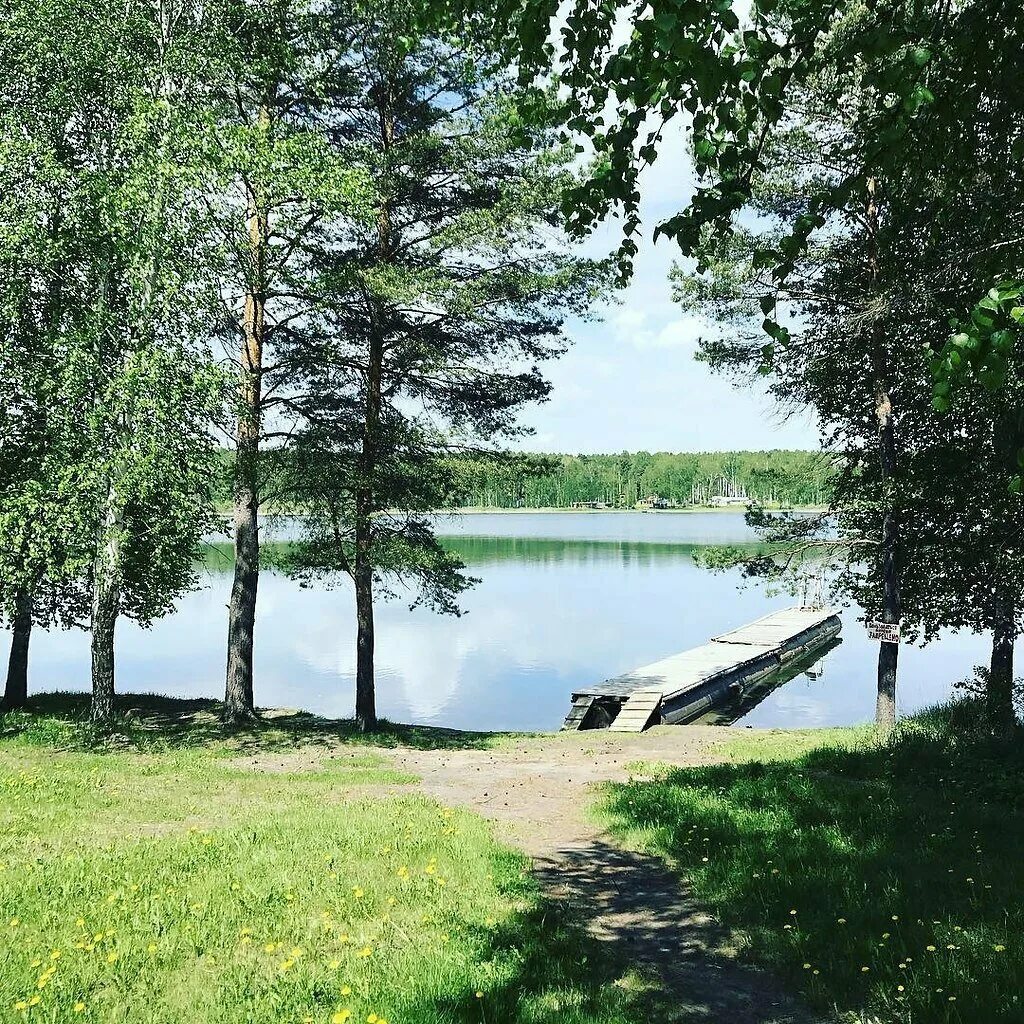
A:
<point x="552" y="614"/>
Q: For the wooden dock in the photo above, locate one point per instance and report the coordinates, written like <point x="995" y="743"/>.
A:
<point x="680" y="689"/>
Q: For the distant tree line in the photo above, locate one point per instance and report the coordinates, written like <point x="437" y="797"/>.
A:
<point x="786" y="478"/>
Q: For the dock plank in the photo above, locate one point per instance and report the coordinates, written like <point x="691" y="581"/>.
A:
<point x="638" y="711"/>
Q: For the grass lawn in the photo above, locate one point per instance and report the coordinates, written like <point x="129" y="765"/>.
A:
<point x="158" y="877"/>
<point x="883" y="879"/>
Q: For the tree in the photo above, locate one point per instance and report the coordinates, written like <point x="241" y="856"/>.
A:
<point x="283" y="82"/>
<point x="866" y="300"/>
<point x="111" y="477"/>
<point x="435" y="311"/>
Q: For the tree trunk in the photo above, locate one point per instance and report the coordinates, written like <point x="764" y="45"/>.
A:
<point x="365" y="495"/>
<point x="239" y="704"/>
<point x="362" y="569"/>
<point x="106" y="605"/>
<point x="999" y="691"/>
<point x="366" y="703"/>
<point x="16" y="690"/>
<point x="888" y="653"/>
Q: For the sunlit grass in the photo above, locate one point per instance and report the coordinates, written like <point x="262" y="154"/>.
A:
<point x="172" y="880"/>
<point x="882" y="878"/>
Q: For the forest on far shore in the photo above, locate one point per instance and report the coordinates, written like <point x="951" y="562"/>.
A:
<point x="552" y="480"/>
<point x="787" y="478"/>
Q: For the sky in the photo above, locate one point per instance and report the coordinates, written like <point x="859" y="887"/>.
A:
<point x="630" y="381"/>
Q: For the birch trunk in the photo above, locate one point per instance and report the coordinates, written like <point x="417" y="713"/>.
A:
<point x="239" y="704"/>
<point x="16" y="690"/>
<point x="106" y="605"/>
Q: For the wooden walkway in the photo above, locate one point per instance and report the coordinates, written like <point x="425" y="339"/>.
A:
<point x="679" y="688"/>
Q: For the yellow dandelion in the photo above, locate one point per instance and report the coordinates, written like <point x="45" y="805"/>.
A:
<point x="34" y="1001"/>
<point x="346" y="990"/>
<point x="479" y="994"/>
<point x="365" y="952"/>
<point x="864" y="970"/>
<point x="269" y="948"/>
<point x="21" y="1005"/>
<point x="931" y="949"/>
<point x="899" y="988"/>
<point x="55" y="954"/>
<point x="840" y="920"/>
<point x="334" y="965"/>
<point x="341" y="1016"/>
<point x="79" y="1007"/>
<point x="152" y="947"/>
<point x="296" y="952"/>
<point x="793" y="913"/>
<point x="807" y="967"/>
<point x="357" y="892"/>
<point x="287" y="965"/>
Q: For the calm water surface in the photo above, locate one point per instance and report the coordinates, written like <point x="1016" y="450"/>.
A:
<point x="565" y="600"/>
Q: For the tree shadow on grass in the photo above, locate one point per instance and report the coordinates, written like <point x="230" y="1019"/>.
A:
<point x="547" y="968"/>
<point x="886" y="880"/>
<point x="152" y="721"/>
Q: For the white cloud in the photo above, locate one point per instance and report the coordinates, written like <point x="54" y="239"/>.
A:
<point x="680" y="331"/>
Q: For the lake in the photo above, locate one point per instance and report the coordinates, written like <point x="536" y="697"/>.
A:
<point x="565" y="599"/>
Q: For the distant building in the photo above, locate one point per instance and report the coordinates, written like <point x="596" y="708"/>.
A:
<point x="721" y="500"/>
<point x="654" y="501"/>
<point x="589" y="504"/>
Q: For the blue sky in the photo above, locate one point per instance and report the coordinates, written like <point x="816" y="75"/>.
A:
<point x="630" y="380"/>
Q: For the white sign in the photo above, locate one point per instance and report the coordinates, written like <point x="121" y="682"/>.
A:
<point x="887" y="632"/>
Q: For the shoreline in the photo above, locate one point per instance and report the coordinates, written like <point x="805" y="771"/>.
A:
<point x="686" y="510"/>
<point x="476" y="510"/>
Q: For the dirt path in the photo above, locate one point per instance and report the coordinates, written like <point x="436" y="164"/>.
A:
<point x="536" y="793"/>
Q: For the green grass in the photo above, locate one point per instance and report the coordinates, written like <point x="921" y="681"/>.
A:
<point x="174" y="872"/>
<point x="881" y="878"/>
<point x="151" y="723"/>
